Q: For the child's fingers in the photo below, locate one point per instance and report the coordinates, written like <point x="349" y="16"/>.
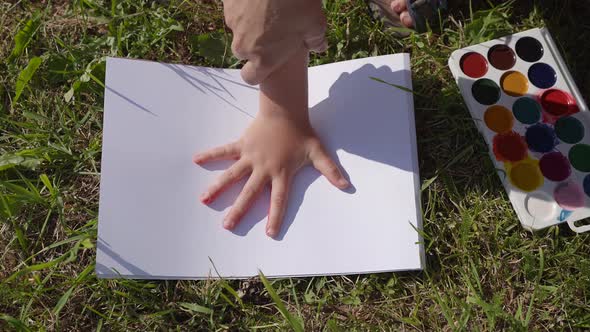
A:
<point x="253" y="186"/>
<point x="323" y="163"/>
<point x="278" y="205"/>
<point x="257" y="69"/>
<point x="261" y="65"/>
<point x="237" y="47"/>
<point x="252" y="72"/>
<point x="406" y="19"/>
<point x="232" y="175"/>
<point x="229" y="151"/>
<point x="399" y="6"/>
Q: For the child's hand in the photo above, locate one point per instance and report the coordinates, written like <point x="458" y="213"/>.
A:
<point x="277" y="144"/>
<point x="271" y="151"/>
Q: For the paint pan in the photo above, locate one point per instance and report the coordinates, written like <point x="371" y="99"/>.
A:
<point x="531" y="114"/>
<point x="527" y="110"/>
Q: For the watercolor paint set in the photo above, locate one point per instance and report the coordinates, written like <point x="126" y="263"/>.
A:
<point x="527" y="107"/>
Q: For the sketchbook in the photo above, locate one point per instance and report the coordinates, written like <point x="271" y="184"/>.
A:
<point x="151" y="224"/>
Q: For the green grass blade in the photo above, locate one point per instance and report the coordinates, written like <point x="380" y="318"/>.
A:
<point x="20" y="236"/>
<point x="85" y="273"/>
<point x="25" y="76"/>
<point x="24" y="36"/>
<point x="7" y="207"/>
<point x="10" y="160"/>
<point x="193" y="307"/>
<point x="428" y="182"/>
<point x="232" y="291"/>
<point x="227" y="287"/>
<point x="62" y="301"/>
<point x="47" y="183"/>
<point x="15" y="323"/>
<point x="445" y="310"/>
<point x="22" y="193"/>
<point x="403" y="88"/>
<point x="294" y="322"/>
<point x="36" y="267"/>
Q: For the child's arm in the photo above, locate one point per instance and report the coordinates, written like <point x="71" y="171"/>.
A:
<point x="277" y="144"/>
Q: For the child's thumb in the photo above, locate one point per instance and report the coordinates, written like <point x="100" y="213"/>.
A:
<point x="325" y="165"/>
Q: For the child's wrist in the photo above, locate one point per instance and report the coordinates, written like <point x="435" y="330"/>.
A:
<point x="285" y="90"/>
<point x="295" y="113"/>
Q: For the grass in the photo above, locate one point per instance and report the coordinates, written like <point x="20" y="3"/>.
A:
<point x="484" y="271"/>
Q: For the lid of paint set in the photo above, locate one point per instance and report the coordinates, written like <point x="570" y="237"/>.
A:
<point x="530" y="113"/>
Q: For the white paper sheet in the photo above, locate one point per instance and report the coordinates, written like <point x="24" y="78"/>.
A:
<point x="152" y="225"/>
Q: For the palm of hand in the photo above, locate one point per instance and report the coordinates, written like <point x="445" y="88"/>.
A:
<point x="271" y="151"/>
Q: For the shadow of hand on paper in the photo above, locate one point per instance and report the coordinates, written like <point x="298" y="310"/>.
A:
<point x="357" y="117"/>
